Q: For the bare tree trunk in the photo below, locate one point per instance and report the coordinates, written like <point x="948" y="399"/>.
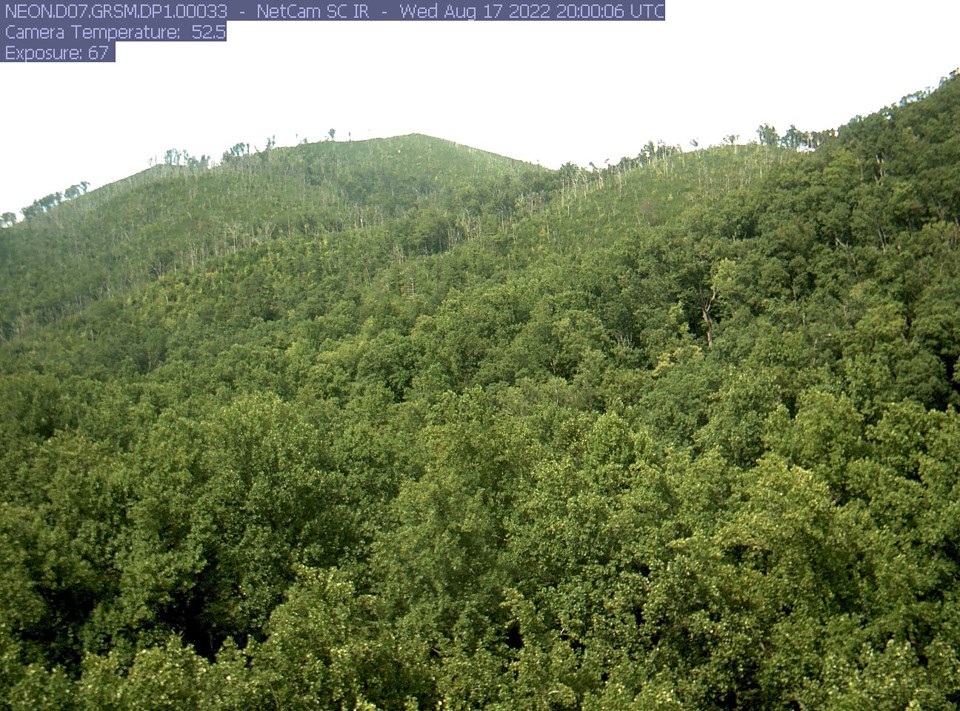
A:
<point x="705" y="313"/>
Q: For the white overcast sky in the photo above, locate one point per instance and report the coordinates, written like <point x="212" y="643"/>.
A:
<point x="543" y="92"/>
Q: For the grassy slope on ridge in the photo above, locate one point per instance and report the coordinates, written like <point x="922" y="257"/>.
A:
<point x="131" y="232"/>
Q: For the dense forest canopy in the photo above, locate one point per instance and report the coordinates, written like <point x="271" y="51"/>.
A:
<point x="400" y="424"/>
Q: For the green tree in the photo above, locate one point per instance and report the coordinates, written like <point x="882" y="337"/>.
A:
<point x="768" y="135"/>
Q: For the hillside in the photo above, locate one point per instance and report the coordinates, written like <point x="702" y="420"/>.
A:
<point x="400" y="424"/>
<point x="125" y="235"/>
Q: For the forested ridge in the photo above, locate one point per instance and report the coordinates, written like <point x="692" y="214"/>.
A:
<point x="400" y="424"/>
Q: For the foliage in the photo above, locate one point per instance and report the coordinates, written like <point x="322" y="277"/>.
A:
<point x="403" y="425"/>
